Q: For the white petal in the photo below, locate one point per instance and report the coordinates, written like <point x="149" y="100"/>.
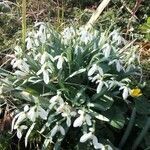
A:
<point x="78" y="122"/>
<point x="42" y="113"/>
<point x="125" y="93"/>
<point x="32" y="114"/>
<point x="118" y="66"/>
<point x="60" y="62"/>
<point x="23" y="127"/>
<point x="21" y="117"/>
<point x="54" y="99"/>
<point x="99" y="87"/>
<point x="46" y="76"/>
<point x="101" y="117"/>
<point x="107" y="51"/>
<point x="96" y="144"/>
<point x="88" y="119"/>
<point x="43" y="58"/>
<point x="61" y="129"/>
<point x="19" y="134"/>
<point x="68" y="121"/>
<point x="85" y="137"/>
<point x="92" y="70"/>
<point x="54" y="130"/>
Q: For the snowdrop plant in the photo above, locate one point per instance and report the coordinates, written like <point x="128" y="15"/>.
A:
<point x="69" y="80"/>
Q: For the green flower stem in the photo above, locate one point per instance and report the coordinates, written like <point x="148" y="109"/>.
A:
<point x="141" y="135"/>
<point x="23" y="23"/>
<point x="128" y="129"/>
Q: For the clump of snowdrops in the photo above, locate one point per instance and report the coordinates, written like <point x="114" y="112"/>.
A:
<point x="72" y="79"/>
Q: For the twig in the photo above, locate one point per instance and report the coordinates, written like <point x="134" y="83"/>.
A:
<point x="96" y="14"/>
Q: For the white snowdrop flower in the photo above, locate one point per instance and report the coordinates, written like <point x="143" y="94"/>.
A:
<point x="20" y="129"/>
<point x="81" y="119"/>
<point x="57" y="128"/>
<point x="20" y="64"/>
<point x="126" y="91"/>
<point x="68" y="33"/>
<point x="85" y="137"/>
<point x="18" y="51"/>
<point x="42" y="33"/>
<point x="95" y="78"/>
<point x="42" y="113"/>
<point x="21" y="116"/>
<point x="45" y="73"/>
<point x="57" y="98"/>
<point x="85" y="36"/>
<point x="35" y="112"/>
<point x="117" y="38"/>
<point x="78" y="49"/>
<point x="118" y="65"/>
<point x="106" y="50"/>
<point x="43" y="58"/>
<point x="61" y="60"/>
<point x="92" y="70"/>
<point x="32" y="114"/>
<point x="66" y="112"/>
<point x="96" y="144"/>
<point x="46" y="76"/>
<point x="95" y="68"/>
<point x="91" y="136"/>
<point x="29" y="43"/>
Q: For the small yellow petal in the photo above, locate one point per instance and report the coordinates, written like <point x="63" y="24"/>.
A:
<point x="135" y="92"/>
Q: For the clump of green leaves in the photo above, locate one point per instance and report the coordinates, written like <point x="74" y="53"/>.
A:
<point x="75" y="79"/>
<point x="145" y="28"/>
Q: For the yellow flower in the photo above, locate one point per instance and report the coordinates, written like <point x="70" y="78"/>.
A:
<point x="135" y="92"/>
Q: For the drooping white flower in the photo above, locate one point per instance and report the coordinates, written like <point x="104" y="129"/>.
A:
<point x="116" y="37"/>
<point x="85" y="36"/>
<point x="106" y="50"/>
<point x="32" y="114"/>
<point x="67" y="34"/>
<point x="45" y="73"/>
<point x="41" y="34"/>
<point x="57" y="128"/>
<point x="65" y="111"/>
<point x="20" y="64"/>
<point x="20" y="129"/>
<point x="95" y="68"/>
<point x="83" y="118"/>
<point x="91" y="136"/>
<point x="42" y="113"/>
<point x="35" y="112"/>
<point x="61" y="59"/>
<point x="29" y="43"/>
<point x="126" y="92"/>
